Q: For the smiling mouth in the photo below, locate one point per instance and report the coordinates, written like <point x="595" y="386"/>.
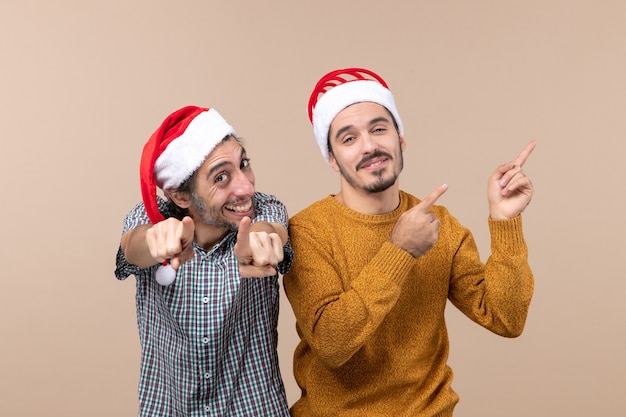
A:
<point x="373" y="163"/>
<point x="239" y="208"/>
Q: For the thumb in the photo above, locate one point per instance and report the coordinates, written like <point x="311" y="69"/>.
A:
<point x="243" y="234"/>
<point x="185" y="231"/>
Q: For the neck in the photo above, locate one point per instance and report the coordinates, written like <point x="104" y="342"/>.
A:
<point x="207" y="236"/>
<point x="370" y="203"/>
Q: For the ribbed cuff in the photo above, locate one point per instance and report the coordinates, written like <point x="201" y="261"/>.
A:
<point x="507" y="234"/>
<point x="394" y="261"/>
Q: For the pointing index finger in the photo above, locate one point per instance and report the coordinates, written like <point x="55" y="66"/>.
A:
<point x="523" y="156"/>
<point x="432" y="198"/>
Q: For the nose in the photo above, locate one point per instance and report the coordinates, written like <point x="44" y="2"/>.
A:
<point x="243" y="183"/>
<point x="368" y="143"/>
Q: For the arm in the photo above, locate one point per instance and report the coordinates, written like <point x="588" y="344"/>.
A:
<point x="497" y="294"/>
<point x="148" y="244"/>
<point x="338" y="308"/>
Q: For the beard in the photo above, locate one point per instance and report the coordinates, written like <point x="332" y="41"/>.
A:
<point x="380" y="183"/>
<point x="211" y="215"/>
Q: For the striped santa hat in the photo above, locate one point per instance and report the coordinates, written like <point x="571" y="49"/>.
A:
<point x="340" y="88"/>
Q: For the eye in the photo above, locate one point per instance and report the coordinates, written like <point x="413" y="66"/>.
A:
<point x="221" y="177"/>
<point x="379" y="129"/>
<point x="245" y="163"/>
<point x="348" y="139"/>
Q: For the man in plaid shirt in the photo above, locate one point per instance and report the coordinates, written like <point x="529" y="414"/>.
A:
<point x="206" y="261"/>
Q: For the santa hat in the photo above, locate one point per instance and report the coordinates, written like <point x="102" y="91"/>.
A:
<point x="172" y="154"/>
<point x="340" y="88"/>
<point x="177" y="149"/>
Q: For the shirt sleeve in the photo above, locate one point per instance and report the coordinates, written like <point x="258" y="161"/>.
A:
<point x="267" y="208"/>
<point x="137" y="216"/>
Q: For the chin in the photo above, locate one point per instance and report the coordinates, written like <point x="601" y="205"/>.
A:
<point x="380" y="186"/>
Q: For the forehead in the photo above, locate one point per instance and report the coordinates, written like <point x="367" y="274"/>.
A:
<point x="360" y="112"/>
<point x="227" y="151"/>
<point x="228" y="146"/>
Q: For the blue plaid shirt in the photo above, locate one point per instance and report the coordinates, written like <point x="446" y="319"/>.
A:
<point x="209" y="340"/>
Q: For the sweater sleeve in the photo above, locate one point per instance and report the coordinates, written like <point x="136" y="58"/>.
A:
<point x="338" y="310"/>
<point x="495" y="295"/>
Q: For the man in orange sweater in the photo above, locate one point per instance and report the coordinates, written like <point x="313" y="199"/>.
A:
<point x="374" y="266"/>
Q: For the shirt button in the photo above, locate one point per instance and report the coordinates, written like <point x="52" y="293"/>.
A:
<point x="207" y="376"/>
<point x="205" y="300"/>
<point x="205" y="340"/>
<point x="207" y="408"/>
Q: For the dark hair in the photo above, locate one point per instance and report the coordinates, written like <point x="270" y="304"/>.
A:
<point x="189" y="186"/>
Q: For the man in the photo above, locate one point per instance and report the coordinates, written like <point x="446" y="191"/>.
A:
<point x="377" y="266"/>
<point x="208" y="333"/>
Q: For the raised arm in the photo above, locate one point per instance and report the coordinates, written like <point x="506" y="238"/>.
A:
<point x="148" y="244"/>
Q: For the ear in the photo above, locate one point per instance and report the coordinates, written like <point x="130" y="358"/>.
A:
<point x="333" y="162"/>
<point x="402" y="143"/>
<point x="182" y="199"/>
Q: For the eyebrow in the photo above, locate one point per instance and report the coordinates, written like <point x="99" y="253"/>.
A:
<point x="219" y="166"/>
<point x="372" y="122"/>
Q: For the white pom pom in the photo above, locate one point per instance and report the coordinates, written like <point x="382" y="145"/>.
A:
<point x="165" y="274"/>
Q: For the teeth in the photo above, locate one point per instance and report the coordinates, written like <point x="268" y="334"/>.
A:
<point x="240" y="209"/>
<point x="375" y="164"/>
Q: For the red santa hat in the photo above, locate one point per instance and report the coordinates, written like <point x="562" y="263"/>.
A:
<point x="340" y="88"/>
<point x="172" y="154"/>
<point x="177" y="149"/>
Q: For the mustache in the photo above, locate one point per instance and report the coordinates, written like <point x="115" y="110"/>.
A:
<point x="367" y="158"/>
<point x="239" y="200"/>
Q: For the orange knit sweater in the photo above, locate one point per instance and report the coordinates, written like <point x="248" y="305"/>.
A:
<point x="371" y="317"/>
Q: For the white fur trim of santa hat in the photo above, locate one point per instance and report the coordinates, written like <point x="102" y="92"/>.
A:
<point x="172" y="154"/>
<point x="343" y="95"/>
<point x="184" y="155"/>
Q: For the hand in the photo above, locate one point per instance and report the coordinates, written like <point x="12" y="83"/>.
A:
<point x="417" y="229"/>
<point x="509" y="190"/>
<point x="258" y="253"/>
<point x="172" y="239"/>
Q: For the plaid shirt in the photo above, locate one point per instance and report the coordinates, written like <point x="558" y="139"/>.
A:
<point x="209" y="340"/>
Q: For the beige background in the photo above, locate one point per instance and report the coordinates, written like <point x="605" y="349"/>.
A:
<point x="84" y="83"/>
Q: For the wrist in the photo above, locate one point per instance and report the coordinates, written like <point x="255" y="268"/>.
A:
<point x="495" y="214"/>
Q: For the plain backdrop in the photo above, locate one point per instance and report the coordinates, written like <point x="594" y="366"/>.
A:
<point x="83" y="84"/>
